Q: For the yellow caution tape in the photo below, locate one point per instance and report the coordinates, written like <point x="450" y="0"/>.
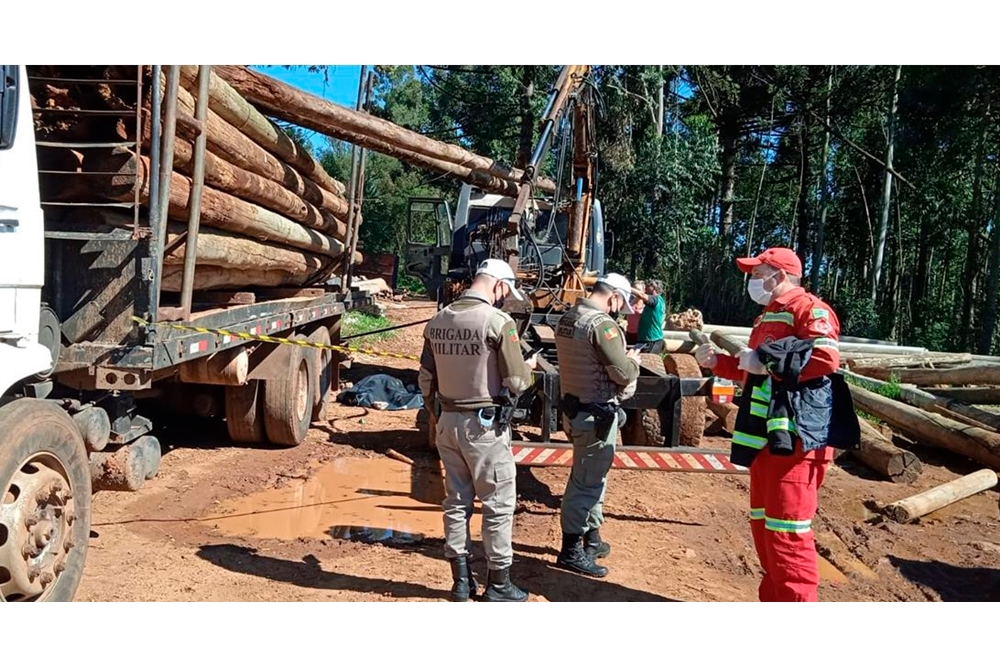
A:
<point x="279" y="341"/>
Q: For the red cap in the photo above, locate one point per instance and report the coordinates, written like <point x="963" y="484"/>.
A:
<point x="780" y="258"/>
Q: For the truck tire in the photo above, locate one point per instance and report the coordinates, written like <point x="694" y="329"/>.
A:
<point x="288" y="401"/>
<point x="245" y="414"/>
<point x="45" y="499"/>
<point x="643" y="429"/>
<point x="322" y="372"/>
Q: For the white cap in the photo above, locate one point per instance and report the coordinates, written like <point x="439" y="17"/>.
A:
<point x="620" y="284"/>
<point x="499" y="269"/>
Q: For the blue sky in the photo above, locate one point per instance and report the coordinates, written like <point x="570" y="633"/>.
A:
<point x="340" y="86"/>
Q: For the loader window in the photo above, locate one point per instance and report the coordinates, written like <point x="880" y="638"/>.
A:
<point x="8" y="104"/>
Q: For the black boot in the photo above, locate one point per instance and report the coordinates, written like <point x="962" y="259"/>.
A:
<point x="464" y="585"/>
<point x="499" y="588"/>
<point x="594" y="546"/>
<point x="574" y="558"/>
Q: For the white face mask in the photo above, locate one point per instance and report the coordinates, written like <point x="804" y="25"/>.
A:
<point x="755" y="288"/>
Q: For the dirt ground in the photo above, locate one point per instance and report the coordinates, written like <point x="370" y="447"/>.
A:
<point x="338" y="519"/>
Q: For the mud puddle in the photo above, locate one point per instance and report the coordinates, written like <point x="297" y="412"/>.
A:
<point x="829" y="572"/>
<point x="365" y="500"/>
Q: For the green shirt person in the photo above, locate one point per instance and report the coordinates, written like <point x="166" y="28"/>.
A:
<point x="651" y="322"/>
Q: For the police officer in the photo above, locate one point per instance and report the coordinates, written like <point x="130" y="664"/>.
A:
<point x="595" y="373"/>
<point x="471" y="353"/>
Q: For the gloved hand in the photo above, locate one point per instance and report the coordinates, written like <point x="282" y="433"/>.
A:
<point x="705" y="356"/>
<point x="751" y="363"/>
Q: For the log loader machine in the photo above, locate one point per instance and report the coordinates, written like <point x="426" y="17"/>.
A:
<point x="557" y="247"/>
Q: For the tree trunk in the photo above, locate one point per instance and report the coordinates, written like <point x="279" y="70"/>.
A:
<point x="216" y="278"/>
<point x="974" y="224"/>
<point x="824" y="195"/>
<point x="930" y="429"/>
<point x="295" y="106"/>
<point x="971" y="395"/>
<point x="926" y="377"/>
<point x="526" y="141"/>
<point x="805" y="207"/>
<point x="883" y="227"/>
<point x="218" y="209"/>
<point x="242" y="115"/>
<point x="870" y="361"/>
<point x="729" y="136"/>
<point x="989" y="324"/>
<point x="229" y="251"/>
<point x="921" y="399"/>
<point x="227" y="142"/>
<point x="922" y="504"/>
<point x="885" y="458"/>
<point x="257" y="189"/>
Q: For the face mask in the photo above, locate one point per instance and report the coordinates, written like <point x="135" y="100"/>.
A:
<point x="498" y="300"/>
<point x="755" y="288"/>
<point x="615" y="313"/>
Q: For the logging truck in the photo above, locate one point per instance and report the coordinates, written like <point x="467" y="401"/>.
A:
<point x="557" y="248"/>
<point x="104" y="304"/>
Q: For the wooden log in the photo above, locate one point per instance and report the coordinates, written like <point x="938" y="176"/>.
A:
<point x="922" y="504"/>
<point x="926" y="377"/>
<point x="296" y="106"/>
<point x="880" y="455"/>
<point x="948" y="407"/>
<point x="744" y="332"/>
<point x="227" y="142"/>
<point x="231" y="251"/>
<point x="218" y="209"/>
<point x="848" y="348"/>
<point x="217" y="277"/>
<point x="970" y="395"/>
<point x="858" y="361"/>
<point x="930" y="429"/>
<point x="726" y="412"/>
<point x="234" y="109"/>
<point x="254" y="188"/>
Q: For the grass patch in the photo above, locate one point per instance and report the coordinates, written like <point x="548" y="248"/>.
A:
<point x="355" y="323"/>
<point x="889" y="389"/>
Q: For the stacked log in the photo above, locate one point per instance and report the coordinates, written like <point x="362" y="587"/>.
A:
<point x="296" y="106"/>
<point x="270" y="215"/>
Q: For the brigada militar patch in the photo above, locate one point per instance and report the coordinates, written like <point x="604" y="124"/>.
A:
<point x="611" y="332"/>
<point x="512" y="334"/>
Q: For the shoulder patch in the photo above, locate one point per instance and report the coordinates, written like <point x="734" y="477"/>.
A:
<point x="512" y="334"/>
<point x="610" y="331"/>
<point x="819" y="313"/>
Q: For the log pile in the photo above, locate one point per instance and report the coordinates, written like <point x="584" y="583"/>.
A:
<point x="270" y="214"/>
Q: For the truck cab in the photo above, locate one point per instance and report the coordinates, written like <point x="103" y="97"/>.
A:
<point x="443" y="247"/>
<point x="22" y="237"/>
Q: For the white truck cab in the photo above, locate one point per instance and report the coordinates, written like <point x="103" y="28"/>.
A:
<point x="22" y="242"/>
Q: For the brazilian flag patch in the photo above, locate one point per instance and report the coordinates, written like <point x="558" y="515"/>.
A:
<point x="610" y="333"/>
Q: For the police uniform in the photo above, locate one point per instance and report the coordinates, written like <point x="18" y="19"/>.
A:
<point x="471" y="350"/>
<point x="594" y="374"/>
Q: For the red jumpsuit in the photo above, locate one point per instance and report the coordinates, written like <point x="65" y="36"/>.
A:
<point x="784" y="489"/>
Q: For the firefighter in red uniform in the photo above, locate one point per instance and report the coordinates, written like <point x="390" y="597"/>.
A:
<point x="783" y="489"/>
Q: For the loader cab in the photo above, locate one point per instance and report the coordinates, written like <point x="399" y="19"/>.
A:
<point x="442" y="246"/>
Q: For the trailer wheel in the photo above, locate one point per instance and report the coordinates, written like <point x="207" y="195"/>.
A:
<point x="322" y="372"/>
<point x="244" y="413"/>
<point x="288" y="401"/>
<point x="44" y="503"/>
